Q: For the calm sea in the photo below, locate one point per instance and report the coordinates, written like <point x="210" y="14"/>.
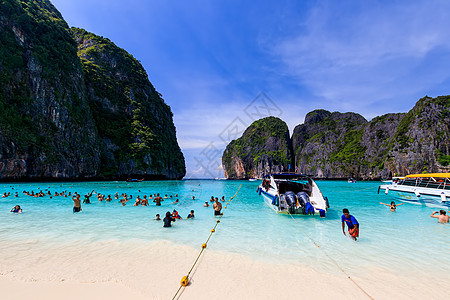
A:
<point x="404" y="242"/>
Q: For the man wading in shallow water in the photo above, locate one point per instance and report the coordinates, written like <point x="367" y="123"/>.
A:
<point x="352" y="224"/>
<point x="217" y="207"/>
<point x="76" y="203"/>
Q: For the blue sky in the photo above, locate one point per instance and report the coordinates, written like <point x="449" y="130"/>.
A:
<point x="222" y="64"/>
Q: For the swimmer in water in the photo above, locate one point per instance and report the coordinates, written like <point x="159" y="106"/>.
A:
<point x="87" y="197"/>
<point x="76" y="203"/>
<point x="442" y="218"/>
<point x="16" y="209"/>
<point x="393" y="206"/>
<point x="168" y="219"/>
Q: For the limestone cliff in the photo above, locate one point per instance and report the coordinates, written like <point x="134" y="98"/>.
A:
<point x="264" y="148"/>
<point x="76" y="110"/>
<point x="45" y="125"/>
<point x="421" y="142"/>
<point x="392" y="144"/>
<point x="134" y="123"/>
<point x="327" y="144"/>
<point x="342" y="145"/>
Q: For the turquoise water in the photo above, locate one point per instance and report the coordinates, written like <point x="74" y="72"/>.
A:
<point x="401" y="242"/>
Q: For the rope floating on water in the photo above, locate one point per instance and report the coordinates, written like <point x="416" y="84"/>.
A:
<point x="185" y="280"/>
<point x="330" y="258"/>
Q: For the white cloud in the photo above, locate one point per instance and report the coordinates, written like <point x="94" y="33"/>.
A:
<point x="352" y="57"/>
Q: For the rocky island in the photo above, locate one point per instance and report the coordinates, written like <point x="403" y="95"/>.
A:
<point x="338" y="145"/>
<point x="74" y="106"/>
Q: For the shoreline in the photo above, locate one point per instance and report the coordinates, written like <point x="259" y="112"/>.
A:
<point x="148" y="179"/>
<point x="153" y="270"/>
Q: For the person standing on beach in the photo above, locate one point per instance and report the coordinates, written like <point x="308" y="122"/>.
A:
<point x="217" y="207"/>
<point x="442" y="218"/>
<point x="352" y="224"/>
<point x="76" y="203"/>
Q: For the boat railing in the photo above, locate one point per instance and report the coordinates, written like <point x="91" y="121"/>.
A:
<point x="431" y="183"/>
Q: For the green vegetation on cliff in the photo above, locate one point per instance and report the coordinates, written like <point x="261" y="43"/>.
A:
<point x="33" y="30"/>
<point x="265" y="140"/>
<point x="127" y="109"/>
<point x="73" y="105"/>
<point x="40" y="85"/>
<point x="339" y="145"/>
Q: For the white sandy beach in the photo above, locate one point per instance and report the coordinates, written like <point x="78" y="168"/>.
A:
<point x="135" y="270"/>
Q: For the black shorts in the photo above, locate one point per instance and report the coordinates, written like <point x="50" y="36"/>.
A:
<point x="217" y="213"/>
<point x="76" y="209"/>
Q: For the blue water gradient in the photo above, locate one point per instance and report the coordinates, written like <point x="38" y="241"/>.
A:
<point x="404" y="242"/>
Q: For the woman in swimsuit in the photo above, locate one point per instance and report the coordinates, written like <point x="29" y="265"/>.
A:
<point x="393" y="206"/>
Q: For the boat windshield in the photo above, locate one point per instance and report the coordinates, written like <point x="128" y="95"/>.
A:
<point x="294" y="186"/>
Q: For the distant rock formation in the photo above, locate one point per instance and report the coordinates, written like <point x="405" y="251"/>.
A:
<point x="341" y="145"/>
<point x="263" y="148"/>
<point x="58" y="111"/>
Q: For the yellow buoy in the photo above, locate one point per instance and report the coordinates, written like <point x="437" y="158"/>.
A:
<point x="212" y="230"/>
<point x="184" y="281"/>
<point x="203" y="245"/>
<point x="218" y="221"/>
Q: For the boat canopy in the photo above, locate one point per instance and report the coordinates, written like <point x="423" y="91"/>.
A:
<point x="435" y="175"/>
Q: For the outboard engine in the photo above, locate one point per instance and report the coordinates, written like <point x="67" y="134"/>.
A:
<point x="303" y="198"/>
<point x="291" y="199"/>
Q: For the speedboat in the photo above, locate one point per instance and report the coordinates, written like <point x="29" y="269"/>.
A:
<point x="351" y="180"/>
<point x="252" y="179"/>
<point x="288" y="193"/>
<point x="393" y="180"/>
<point x="424" y="189"/>
<point x="135" y="180"/>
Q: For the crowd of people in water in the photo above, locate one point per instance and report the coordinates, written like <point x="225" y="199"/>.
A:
<point x="346" y="218"/>
<point x="155" y="198"/>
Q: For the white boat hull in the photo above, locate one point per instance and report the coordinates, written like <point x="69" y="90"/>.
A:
<point x="271" y="196"/>
<point x="268" y="199"/>
<point x="418" y="195"/>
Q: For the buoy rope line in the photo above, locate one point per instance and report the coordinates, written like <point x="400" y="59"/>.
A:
<point x="185" y="280"/>
<point x="330" y="258"/>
